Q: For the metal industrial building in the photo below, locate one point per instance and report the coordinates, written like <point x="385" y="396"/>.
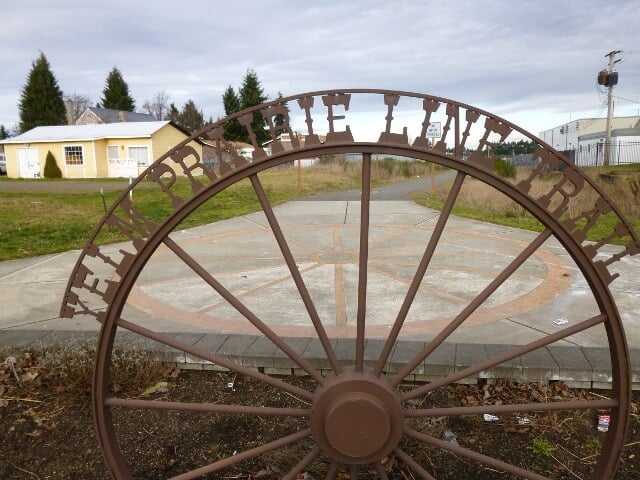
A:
<point x="583" y="140"/>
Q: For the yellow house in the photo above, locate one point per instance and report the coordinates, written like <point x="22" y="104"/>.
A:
<point x="92" y="151"/>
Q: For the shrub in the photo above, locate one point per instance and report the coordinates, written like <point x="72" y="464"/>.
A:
<point x="51" y="169"/>
<point x="405" y="169"/>
<point x="504" y="168"/>
<point x="388" y="164"/>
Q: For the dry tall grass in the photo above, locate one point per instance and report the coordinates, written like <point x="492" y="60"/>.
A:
<point x="623" y="190"/>
<point x="68" y="366"/>
<point x="383" y="169"/>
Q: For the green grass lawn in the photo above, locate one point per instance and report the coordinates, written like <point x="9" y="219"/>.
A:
<point x="42" y="223"/>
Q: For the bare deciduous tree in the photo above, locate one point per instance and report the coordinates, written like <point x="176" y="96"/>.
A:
<point x="158" y="105"/>
<point x="79" y="102"/>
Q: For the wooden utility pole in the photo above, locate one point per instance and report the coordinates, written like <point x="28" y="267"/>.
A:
<point x="611" y="80"/>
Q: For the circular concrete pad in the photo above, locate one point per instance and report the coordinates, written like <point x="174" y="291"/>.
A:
<point x="245" y="258"/>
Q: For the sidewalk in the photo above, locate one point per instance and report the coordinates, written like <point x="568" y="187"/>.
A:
<point x="546" y="294"/>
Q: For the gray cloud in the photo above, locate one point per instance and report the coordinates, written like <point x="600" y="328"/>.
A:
<point x="509" y="57"/>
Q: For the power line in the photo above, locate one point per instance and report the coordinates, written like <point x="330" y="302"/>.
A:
<point x="603" y="105"/>
<point x="627" y="99"/>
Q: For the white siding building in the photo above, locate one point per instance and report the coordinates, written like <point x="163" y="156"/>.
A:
<point x="565" y="137"/>
<point x="583" y="140"/>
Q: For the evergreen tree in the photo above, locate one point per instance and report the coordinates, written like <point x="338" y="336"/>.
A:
<point x="515" y="148"/>
<point x="233" y="130"/>
<point x="3" y="132"/>
<point x="51" y="169"/>
<point x="252" y="94"/>
<point x="190" y="117"/>
<point x="116" y="93"/>
<point x="41" y="100"/>
<point x="173" y="113"/>
<point x="278" y="121"/>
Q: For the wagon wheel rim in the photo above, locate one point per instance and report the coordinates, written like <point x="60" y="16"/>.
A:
<point x="391" y="411"/>
<point x="356" y="387"/>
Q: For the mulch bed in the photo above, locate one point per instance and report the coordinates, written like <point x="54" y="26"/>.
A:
<point x="47" y="426"/>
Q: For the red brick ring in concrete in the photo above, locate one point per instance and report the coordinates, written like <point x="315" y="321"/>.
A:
<point x="357" y="415"/>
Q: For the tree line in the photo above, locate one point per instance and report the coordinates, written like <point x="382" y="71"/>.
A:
<point x="42" y="103"/>
<point x="514" y="148"/>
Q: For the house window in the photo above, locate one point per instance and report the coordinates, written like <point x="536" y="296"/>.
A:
<point x="141" y="154"/>
<point x="73" y="155"/>
<point x="112" y="152"/>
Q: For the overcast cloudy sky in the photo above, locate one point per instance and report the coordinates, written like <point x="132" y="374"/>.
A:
<point x="534" y="63"/>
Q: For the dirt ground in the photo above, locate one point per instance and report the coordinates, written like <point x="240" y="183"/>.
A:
<point x="47" y="426"/>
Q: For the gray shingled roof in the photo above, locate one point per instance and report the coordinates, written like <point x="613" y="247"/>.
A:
<point x="108" y="115"/>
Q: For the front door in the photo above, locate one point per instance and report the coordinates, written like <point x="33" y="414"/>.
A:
<point x="28" y="163"/>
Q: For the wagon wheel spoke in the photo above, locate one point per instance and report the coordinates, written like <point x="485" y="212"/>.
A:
<point x="242" y="309"/>
<point x="247" y="454"/>
<point x="158" y="337"/>
<point x="260" y="287"/>
<point x="302" y="464"/>
<point x="365" y="201"/>
<point x="471" y="455"/>
<point x="412" y="464"/>
<point x="471" y="307"/>
<point x="295" y="273"/>
<point x="509" y="355"/>
<point x="420" y="272"/>
<point x="512" y="408"/>
<point x="207" y="407"/>
<point x="381" y="471"/>
<point x="333" y="471"/>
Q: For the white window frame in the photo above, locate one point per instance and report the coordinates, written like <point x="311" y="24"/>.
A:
<point x="117" y="147"/>
<point x="146" y="163"/>
<point x="64" y="155"/>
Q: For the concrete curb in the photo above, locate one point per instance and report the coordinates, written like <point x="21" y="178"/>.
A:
<point x="578" y="367"/>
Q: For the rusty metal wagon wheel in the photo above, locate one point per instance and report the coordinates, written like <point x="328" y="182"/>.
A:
<point x="357" y="415"/>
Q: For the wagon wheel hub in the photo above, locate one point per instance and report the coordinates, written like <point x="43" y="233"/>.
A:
<point x="356" y="417"/>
